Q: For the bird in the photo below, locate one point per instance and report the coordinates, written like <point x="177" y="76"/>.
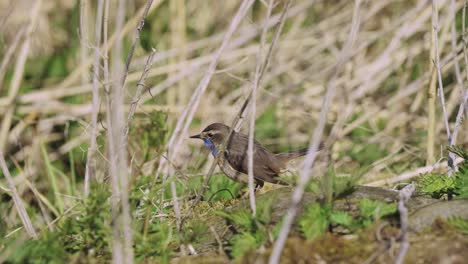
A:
<point x="267" y="166"/>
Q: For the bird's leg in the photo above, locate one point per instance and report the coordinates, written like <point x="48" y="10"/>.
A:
<point x="258" y="185"/>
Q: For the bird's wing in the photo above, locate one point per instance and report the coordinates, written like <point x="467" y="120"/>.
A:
<point x="266" y="166"/>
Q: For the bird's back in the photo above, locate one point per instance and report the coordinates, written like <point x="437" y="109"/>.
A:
<point x="266" y="165"/>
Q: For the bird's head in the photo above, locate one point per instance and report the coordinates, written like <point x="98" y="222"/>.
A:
<point x="213" y="136"/>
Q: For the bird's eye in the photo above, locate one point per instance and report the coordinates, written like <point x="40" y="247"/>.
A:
<point x="209" y="134"/>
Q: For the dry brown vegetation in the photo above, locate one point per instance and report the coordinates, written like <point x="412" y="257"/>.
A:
<point x="76" y="107"/>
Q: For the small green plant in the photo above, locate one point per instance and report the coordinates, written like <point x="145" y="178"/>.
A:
<point x="459" y="223"/>
<point x="253" y="231"/>
<point x="48" y="249"/>
<point x="371" y="211"/>
<point x="159" y="242"/>
<point x="461" y="176"/>
<point x="86" y="233"/>
<point x="148" y="137"/>
<point x="439" y="185"/>
<point x="90" y="230"/>
<point x="222" y="188"/>
<point x="315" y="221"/>
<point x="318" y="218"/>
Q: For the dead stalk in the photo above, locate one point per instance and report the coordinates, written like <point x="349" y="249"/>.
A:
<point x="404" y="195"/>
<point x="18" y="76"/>
<point x="253" y="110"/>
<point x="183" y="122"/>
<point x="315" y="140"/>
<point x="91" y="161"/>
<point x="17" y="199"/>
<point x="435" y="28"/>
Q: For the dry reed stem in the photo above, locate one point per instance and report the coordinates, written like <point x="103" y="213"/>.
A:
<point x="60" y="91"/>
<point x="413" y="173"/>
<point x="18" y="76"/>
<point x="17" y="199"/>
<point x="238" y="118"/>
<point x="404" y="196"/>
<point x="122" y="234"/>
<point x="84" y="40"/>
<point x="178" y="38"/>
<point x="435" y="28"/>
<point x="131" y="23"/>
<point x="465" y="40"/>
<point x="315" y="140"/>
<point x="203" y="85"/>
<point x="186" y="118"/>
<point x="464" y="98"/>
<point x="9" y="54"/>
<point x="255" y="84"/>
<point x="91" y="162"/>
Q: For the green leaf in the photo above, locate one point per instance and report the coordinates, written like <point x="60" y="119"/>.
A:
<point x="241" y="217"/>
<point x="245" y="242"/>
<point x="264" y="211"/>
<point x="374" y="209"/>
<point x="341" y="218"/>
<point x="314" y="222"/>
<point x="436" y="185"/>
<point x="222" y="188"/>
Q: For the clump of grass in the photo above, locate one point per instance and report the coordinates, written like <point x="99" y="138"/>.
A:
<point x="159" y="242"/>
<point x="86" y="233"/>
<point x="90" y="230"/>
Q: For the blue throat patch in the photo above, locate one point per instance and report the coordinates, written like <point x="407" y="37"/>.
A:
<point x="209" y="145"/>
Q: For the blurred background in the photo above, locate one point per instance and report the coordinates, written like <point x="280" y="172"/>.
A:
<point x="382" y="105"/>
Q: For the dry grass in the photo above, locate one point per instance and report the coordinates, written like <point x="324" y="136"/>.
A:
<point x="207" y="61"/>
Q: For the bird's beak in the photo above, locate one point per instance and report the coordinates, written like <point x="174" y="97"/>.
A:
<point x="195" y="136"/>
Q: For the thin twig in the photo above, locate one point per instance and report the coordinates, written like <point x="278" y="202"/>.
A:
<point x="315" y="140"/>
<point x="186" y="117"/>
<point x="404" y="195"/>
<point x="218" y="240"/>
<point x="131" y="23"/>
<point x="136" y="37"/>
<point x="175" y="202"/>
<point x="139" y="90"/>
<point x="17" y="199"/>
<point x="413" y="173"/>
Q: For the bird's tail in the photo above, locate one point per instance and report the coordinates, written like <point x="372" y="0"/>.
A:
<point x="292" y="155"/>
<point x="287" y="156"/>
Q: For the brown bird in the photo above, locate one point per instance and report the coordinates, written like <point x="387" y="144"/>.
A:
<point x="267" y="166"/>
